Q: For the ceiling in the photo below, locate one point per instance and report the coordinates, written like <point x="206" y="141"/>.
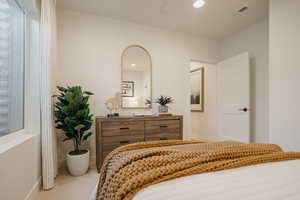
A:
<point x="218" y="19"/>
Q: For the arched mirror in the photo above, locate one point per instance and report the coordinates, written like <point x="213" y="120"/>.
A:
<point x="136" y="85"/>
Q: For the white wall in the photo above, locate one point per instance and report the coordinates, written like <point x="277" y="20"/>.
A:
<point x="204" y="124"/>
<point x="284" y="73"/>
<point x="255" y="41"/>
<point x="90" y="49"/>
<point x="20" y="170"/>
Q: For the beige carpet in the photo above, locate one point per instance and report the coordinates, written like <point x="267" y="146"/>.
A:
<point x="71" y="188"/>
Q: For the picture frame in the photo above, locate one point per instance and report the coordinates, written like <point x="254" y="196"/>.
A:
<point x="197" y="89"/>
<point x="127" y="89"/>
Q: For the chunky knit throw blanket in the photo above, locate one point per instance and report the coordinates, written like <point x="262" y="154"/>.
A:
<point x="131" y="168"/>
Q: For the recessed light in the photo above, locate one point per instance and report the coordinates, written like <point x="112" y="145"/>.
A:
<point x="133" y="65"/>
<point x="199" y="3"/>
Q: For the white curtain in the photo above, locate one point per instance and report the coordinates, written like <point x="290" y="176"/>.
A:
<point x="48" y="64"/>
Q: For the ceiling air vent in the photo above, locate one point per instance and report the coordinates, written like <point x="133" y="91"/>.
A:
<point x="241" y="10"/>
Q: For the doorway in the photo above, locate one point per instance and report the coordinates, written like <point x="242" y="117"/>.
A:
<point x="220" y="99"/>
<point x="203" y="101"/>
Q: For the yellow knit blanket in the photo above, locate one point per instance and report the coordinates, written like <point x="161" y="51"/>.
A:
<point x="131" y="168"/>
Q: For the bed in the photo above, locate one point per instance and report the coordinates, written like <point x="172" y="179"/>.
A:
<point x="267" y="181"/>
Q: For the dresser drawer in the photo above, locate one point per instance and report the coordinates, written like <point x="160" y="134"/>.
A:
<point x="163" y="136"/>
<point x="123" y="128"/>
<point x="110" y="143"/>
<point x="162" y="127"/>
<point x="162" y="130"/>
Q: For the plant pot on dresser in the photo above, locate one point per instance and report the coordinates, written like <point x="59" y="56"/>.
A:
<point x="112" y="133"/>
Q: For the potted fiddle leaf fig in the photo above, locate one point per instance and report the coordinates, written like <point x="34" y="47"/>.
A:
<point x="163" y="102"/>
<point x="73" y="117"/>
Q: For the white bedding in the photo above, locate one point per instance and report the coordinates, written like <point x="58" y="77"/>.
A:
<point x="271" y="181"/>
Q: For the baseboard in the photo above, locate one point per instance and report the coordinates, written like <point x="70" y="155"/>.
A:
<point x="33" y="193"/>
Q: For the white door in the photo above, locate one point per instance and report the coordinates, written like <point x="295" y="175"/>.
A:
<point x="234" y="98"/>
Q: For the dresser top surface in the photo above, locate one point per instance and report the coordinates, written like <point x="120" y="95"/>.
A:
<point x="140" y="118"/>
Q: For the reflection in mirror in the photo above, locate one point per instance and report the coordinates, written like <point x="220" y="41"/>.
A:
<point x="136" y="77"/>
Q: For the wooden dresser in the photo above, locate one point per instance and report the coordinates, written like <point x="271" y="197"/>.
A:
<point x="115" y="132"/>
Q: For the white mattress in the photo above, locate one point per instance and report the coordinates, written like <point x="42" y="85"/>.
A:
<point x="271" y="181"/>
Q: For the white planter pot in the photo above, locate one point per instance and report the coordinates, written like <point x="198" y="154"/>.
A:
<point x="163" y="109"/>
<point x="78" y="164"/>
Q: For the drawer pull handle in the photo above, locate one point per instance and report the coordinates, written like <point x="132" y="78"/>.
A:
<point x="164" y="138"/>
<point x="124" y="128"/>
<point x="124" y="142"/>
<point x="163" y="126"/>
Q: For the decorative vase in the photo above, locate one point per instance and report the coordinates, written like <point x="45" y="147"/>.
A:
<point x="78" y="164"/>
<point x="163" y="109"/>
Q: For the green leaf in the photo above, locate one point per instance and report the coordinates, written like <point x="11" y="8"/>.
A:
<point x="86" y="136"/>
<point x="88" y="93"/>
<point x="62" y="89"/>
<point x="78" y="127"/>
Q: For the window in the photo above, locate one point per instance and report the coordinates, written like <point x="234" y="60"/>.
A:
<point x="11" y="67"/>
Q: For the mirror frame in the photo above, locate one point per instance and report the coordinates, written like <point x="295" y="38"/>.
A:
<point x="202" y="69"/>
<point x="122" y="66"/>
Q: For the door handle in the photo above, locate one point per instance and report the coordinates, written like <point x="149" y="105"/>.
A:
<point x="244" y="109"/>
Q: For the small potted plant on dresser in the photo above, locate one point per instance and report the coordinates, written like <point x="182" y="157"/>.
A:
<point x="163" y="102"/>
<point x="73" y="117"/>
